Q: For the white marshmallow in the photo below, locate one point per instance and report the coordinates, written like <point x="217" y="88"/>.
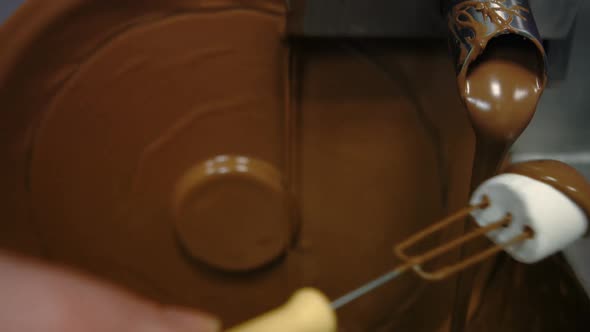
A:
<point x="555" y="219"/>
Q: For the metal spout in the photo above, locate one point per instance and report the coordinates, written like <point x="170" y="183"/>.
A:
<point x="472" y="24"/>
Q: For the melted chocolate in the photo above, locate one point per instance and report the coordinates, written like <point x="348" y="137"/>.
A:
<point x="98" y="134"/>
<point x="108" y="137"/>
<point x="542" y="297"/>
<point x="501" y="80"/>
<point x="354" y="103"/>
<point x="501" y="92"/>
<point x="231" y="212"/>
<point x="110" y="108"/>
<point x="558" y="175"/>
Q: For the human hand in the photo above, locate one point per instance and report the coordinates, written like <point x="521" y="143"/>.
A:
<point x="35" y="297"/>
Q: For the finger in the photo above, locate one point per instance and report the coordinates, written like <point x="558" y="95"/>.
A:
<point x="36" y="297"/>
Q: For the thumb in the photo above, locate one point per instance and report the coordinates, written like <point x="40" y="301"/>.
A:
<point x="180" y="320"/>
<point x="37" y="297"/>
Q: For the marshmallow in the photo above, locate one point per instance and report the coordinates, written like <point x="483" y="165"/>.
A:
<point x="555" y="219"/>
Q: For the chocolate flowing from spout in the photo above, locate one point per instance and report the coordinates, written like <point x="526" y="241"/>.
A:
<point x="500" y="64"/>
<point x="501" y="73"/>
<point x="501" y="93"/>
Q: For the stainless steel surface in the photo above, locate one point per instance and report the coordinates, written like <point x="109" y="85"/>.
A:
<point x="7" y="7"/>
<point x="406" y="19"/>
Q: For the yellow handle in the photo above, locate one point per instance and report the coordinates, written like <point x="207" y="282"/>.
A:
<point x="308" y="310"/>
